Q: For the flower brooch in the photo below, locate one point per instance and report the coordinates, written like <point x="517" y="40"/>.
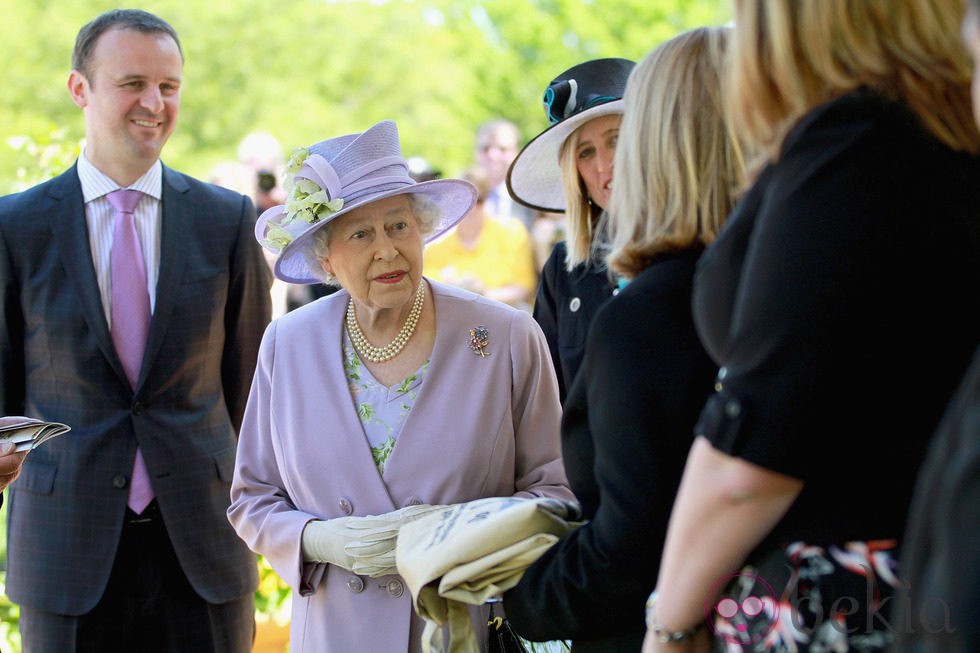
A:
<point x="479" y="339"/>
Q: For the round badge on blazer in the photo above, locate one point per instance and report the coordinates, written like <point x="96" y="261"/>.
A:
<point x="395" y="588"/>
<point x="355" y="584"/>
<point x="574" y="304"/>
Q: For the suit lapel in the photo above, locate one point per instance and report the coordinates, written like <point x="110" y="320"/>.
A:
<point x="175" y="228"/>
<point x="69" y="230"/>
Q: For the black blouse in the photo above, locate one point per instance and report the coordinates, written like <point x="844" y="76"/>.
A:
<point x="839" y="302"/>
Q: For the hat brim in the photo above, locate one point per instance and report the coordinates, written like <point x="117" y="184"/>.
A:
<point x="534" y="177"/>
<point x="454" y="197"/>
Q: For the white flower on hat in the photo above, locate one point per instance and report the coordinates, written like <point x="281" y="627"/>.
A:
<point x="305" y="200"/>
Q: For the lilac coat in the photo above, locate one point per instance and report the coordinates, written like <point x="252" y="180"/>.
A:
<point x="480" y="427"/>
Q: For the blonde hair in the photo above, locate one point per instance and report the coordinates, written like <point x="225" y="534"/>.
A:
<point x="581" y="227"/>
<point x="678" y="164"/>
<point x="791" y="55"/>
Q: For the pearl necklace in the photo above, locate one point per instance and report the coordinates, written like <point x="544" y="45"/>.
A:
<point x="384" y="354"/>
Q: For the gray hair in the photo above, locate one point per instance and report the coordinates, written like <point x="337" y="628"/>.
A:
<point x="426" y="212"/>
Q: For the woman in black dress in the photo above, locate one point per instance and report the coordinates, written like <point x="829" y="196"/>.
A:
<point x="629" y="418"/>
<point x="835" y="303"/>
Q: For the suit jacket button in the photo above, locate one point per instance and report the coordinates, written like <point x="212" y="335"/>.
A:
<point x="346" y="506"/>
<point x="119" y="481"/>
<point x="395" y="588"/>
<point x="137" y="408"/>
<point x="355" y="584"/>
<point x="733" y="408"/>
<point x="413" y="501"/>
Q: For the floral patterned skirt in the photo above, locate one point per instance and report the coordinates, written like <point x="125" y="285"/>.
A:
<point x="808" y="599"/>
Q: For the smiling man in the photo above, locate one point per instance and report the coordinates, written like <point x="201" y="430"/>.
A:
<point x="133" y="299"/>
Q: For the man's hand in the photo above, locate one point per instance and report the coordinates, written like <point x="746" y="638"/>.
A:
<point x="10" y="462"/>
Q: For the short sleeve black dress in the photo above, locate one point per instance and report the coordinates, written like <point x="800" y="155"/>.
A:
<point x="837" y="303"/>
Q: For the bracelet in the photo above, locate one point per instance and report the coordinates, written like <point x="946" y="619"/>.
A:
<point x="662" y="634"/>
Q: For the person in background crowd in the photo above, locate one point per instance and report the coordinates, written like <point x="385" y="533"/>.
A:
<point x="420" y="169"/>
<point x="629" y="418"/>
<point x="255" y="172"/>
<point x="846" y="265"/>
<point x="496" y="145"/>
<point x="484" y="253"/>
<point x="935" y="610"/>
<point x="133" y="300"/>
<point x="353" y="410"/>
<point x="569" y="168"/>
<point x="547" y="231"/>
<point x="261" y="154"/>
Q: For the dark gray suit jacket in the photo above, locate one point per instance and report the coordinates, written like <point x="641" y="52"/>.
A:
<point x="57" y="362"/>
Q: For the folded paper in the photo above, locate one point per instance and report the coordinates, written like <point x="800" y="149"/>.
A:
<point x="469" y="554"/>
<point x="27" y="433"/>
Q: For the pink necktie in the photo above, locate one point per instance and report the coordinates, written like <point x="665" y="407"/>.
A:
<point x="130" y="316"/>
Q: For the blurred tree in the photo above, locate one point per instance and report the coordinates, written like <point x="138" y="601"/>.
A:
<point x="309" y="69"/>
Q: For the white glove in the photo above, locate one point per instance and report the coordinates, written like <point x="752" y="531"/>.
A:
<point x="373" y="551"/>
<point x="324" y="541"/>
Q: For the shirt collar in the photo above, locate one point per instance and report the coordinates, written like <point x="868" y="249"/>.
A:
<point x="96" y="184"/>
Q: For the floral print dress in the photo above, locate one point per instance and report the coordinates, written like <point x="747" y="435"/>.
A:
<point x="381" y="409"/>
<point x="804" y="598"/>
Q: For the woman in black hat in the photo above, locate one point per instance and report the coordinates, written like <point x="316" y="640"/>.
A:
<point x="584" y="106"/>
<point x="629" y="418"/>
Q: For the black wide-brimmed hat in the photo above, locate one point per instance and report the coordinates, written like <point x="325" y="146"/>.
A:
<point x="580" y="94"/>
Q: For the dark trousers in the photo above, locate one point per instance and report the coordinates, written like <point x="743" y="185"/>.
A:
<point x="148" y="606"/>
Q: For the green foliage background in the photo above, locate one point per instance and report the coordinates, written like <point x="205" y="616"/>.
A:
<point x="306" y="70"/>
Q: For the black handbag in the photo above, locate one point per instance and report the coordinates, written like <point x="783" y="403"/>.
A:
<point x="501" y="637"/>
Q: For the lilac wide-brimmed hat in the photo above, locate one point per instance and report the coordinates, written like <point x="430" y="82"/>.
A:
<point x="580" y="94"/>
<point x="335" y="176"/>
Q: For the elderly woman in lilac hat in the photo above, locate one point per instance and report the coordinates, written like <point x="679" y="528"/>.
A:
<point x="374" y="404"/>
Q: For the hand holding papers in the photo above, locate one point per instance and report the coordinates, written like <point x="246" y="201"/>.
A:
<point x="472" y="552"/>
<point x="27" y="433"/>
